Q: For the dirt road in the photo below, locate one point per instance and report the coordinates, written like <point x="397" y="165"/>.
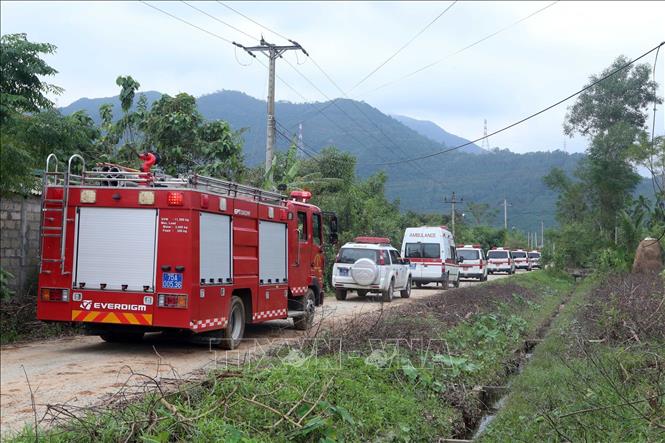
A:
<point x="81" y="370"/>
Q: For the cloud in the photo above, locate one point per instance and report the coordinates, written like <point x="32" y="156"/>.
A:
<point x="502" y="79"/>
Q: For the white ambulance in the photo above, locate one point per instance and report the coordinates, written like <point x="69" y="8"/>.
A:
<point x="472" y="262"/>
<point x="499" y="260"/>
<point x="432" y="255"/>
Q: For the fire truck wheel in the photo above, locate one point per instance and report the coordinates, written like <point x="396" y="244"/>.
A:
<point x="362" y="293"/>
<point x="406" y="292"/>
<point x="308" y="305"/>
<point x="340" y="294"/>
<point x="122" y="337"/>
<point x="235" y="327"/>
<point x="387" y="296"/>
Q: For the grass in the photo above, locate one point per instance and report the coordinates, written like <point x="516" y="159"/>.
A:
<point x="576" y="390"/>
<point x="381" y="393"/>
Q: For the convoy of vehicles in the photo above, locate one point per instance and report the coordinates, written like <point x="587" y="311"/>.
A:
<point x="132" y="251"/>
<point x="371" y="265"/>
<point x="472" y="262"/>
<point x="432" y="255"/>
<point x="126" y="251"/>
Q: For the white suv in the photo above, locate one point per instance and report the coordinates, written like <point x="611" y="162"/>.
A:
<point x="370" y="264"/>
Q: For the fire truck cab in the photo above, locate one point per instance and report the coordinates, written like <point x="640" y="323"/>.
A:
<point x="131" y="251"/>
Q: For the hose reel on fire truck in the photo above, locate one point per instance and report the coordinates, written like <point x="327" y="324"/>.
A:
<point x="364" y="271"/>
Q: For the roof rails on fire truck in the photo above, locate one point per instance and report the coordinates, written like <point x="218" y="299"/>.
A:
<point x="112" y="175"/>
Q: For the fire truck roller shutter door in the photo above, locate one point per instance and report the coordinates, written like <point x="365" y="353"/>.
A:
<point x="272" y="252"/>
<point x="116" y="247"/>
<point x="215" y="248"/>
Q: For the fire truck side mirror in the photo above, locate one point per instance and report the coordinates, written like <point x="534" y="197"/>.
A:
<point x="333" y="230"/>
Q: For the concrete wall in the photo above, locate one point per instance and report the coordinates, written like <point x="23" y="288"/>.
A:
<point x="19" y="246"/>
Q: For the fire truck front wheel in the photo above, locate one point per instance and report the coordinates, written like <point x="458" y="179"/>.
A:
<point x="308" y="306"/>
<point x="235" y="327"/>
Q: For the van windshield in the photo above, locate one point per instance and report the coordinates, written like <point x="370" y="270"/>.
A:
<point x="534" y="255"/>
<point x="422" y="250"/>
<point x="497" y="254"/>
<point x="517" y="254"/>
<point x="351" y="255"/>
<point x="468" y="254"/>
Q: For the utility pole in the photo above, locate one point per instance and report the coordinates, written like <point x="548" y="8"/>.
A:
<point x="542" y="233"/>
<point x="505" y="214"/>
<point x="272" y="52"/>
<point x="453" y="200"/>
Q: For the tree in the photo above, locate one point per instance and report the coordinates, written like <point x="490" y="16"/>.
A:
<point x="21" y="66"/>
<point x="612" y="114"/>
<point x="481" y="212"/>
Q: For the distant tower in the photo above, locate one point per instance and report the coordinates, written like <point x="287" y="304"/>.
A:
<point x="485" y="144"/>
<point x="300" y="143"/>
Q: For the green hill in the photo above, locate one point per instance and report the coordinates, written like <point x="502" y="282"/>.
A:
<point x="374" y="138"/>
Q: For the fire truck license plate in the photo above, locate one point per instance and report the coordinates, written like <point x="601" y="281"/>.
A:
<point x="171" y="280"/>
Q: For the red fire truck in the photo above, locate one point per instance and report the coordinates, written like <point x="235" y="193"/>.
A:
<point x="126" y="251"/>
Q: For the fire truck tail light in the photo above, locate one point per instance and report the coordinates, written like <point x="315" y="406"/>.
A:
<point x="146" y="198"/>
<point x="88" y="196"/>
<point x="172" y="301"/>
<point x="55" y="294"/>
<point x="175" y="199"/>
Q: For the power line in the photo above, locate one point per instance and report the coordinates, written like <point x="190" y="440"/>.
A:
<point x="505" y="128"/>
<point x="459" y="51"/>
<point x="404" y="46"/>
<point x="333" y="102"/>
<point x="188" y="23"/>
<point x="219" y="20"/>
<point x="252" y="20"/>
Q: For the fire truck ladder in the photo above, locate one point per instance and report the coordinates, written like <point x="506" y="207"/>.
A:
<point x="54" y="178"/>
<point x="223" y="187"/>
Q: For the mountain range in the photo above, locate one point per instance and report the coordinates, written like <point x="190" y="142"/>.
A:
<point x="383" y="142"/>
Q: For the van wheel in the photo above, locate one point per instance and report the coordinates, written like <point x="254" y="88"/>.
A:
<point x="387" y="296"/>
<point x="362" y="293"/>
<point x="419" y="285"/>
<point x="340" y="294"/>
<point x="235" y="325"/>
<point x="308" y="306"/>
<point x="456" y="284"/>
<point x="445" y="282"/>
<point x="406" y="292"/>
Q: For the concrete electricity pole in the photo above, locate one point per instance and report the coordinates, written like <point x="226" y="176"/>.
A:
<point x="505" y="214"/>
<point x="272" y="52"/>
<point x="542" y="233"/>
<point x="453" y="200"/>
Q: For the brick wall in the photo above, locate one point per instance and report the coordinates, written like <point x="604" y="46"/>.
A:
<point x="19" y="246"/>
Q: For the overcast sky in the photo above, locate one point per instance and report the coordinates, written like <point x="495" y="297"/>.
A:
<point x="508" y="76"/>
